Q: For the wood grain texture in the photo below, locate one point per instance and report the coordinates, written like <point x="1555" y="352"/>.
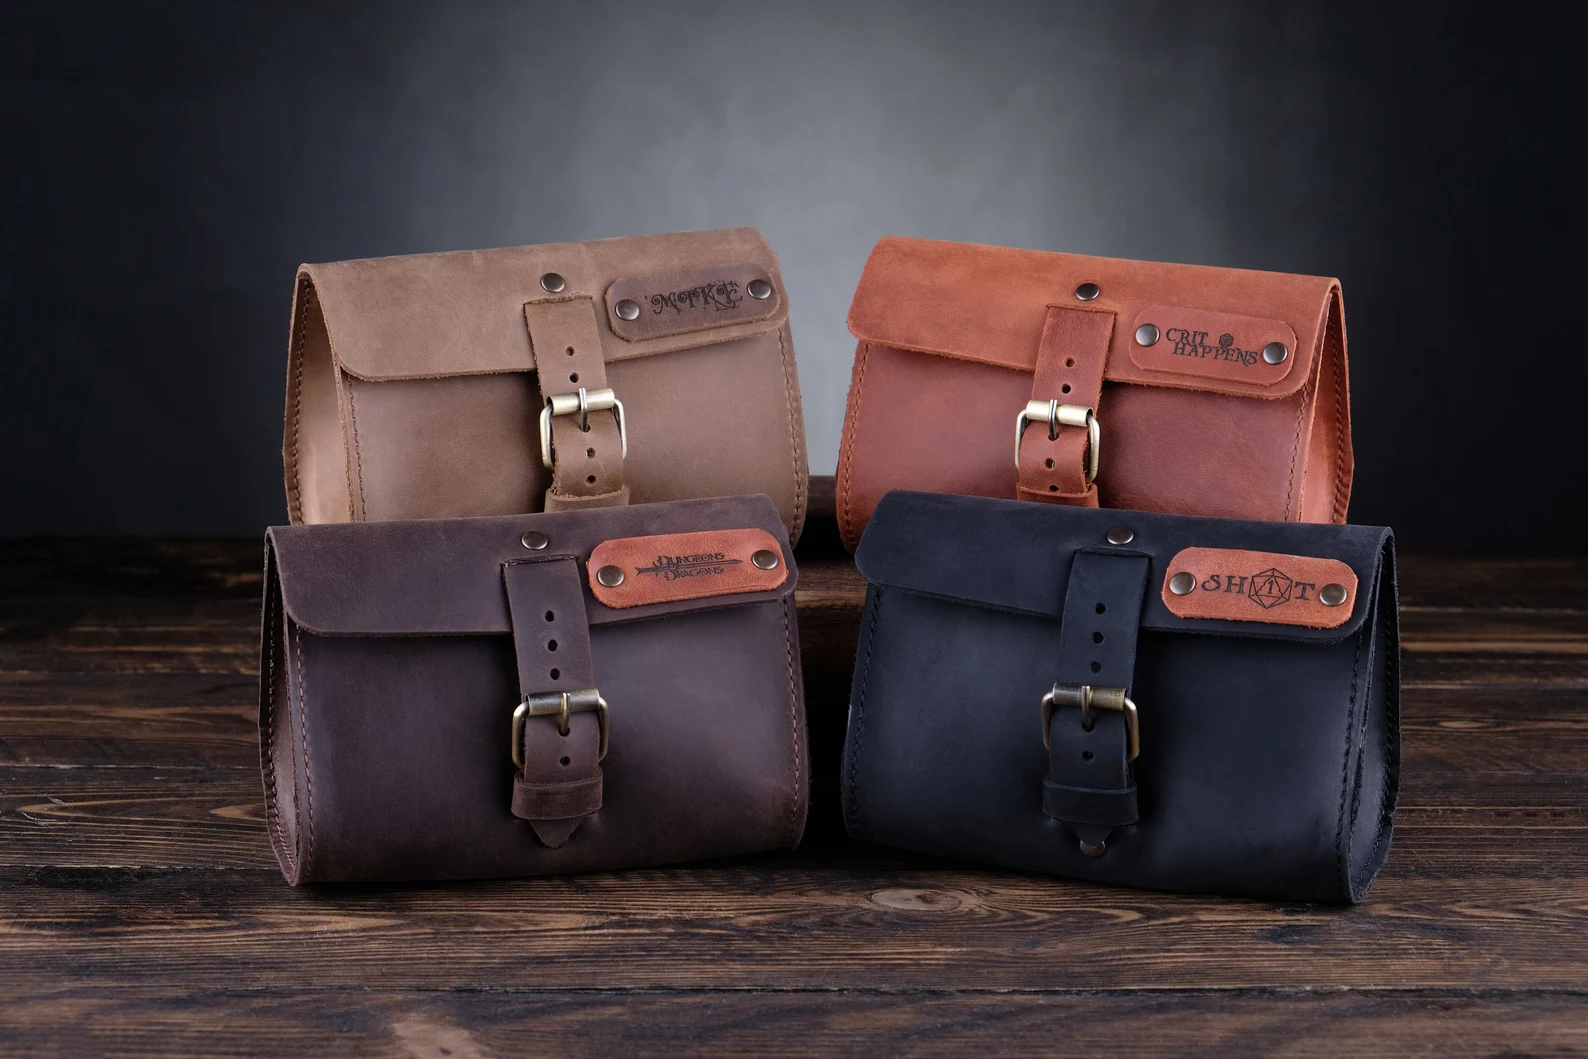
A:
<point x="141" y="913"/>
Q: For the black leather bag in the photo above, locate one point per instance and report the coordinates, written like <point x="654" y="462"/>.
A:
<point x="1035" y="689"/>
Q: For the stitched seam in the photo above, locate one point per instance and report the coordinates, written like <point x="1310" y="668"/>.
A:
<point x="1341" y="865"/>
<point x="1338" y="514"/>
<point x="267" y="730"/>
<point x="295" y="488"/>
<point x="1391" y="729"/>
<point x="794" y="726"/>
<point x="793" y="441"/>
<point x="358" y="453"/>
<point x="303" y="731"/>
<point x="1295" y="452"/>
<point x="860" y="711"/>
<point x="845" y="525"/>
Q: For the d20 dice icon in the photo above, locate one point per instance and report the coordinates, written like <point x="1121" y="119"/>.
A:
<point x="1269" y="588"/>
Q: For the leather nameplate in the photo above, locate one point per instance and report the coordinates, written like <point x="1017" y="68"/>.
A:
<point x="1235" y="585"/>
<point x="1212" y="345"/>
<point x="675" y="566"/>
<point x="671" y="303"/>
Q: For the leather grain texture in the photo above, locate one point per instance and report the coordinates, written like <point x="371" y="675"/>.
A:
<point x="394" y="655"/>
<point x="415" y="384"/>
<point x="1269" y="754"/>
<point x="955" y="339"/>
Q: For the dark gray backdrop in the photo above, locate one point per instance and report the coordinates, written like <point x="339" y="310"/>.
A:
<point x="169" y="166"/>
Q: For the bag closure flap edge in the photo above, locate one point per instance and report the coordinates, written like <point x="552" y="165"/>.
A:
<point x="443" y="577"/>
<point x="1015" y="556"/>
<point x="431" y="316"/>
<point x="988" y="304"/>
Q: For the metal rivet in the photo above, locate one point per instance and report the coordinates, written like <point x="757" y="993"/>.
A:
<point x="1147" y="335"/>
<point x="627" y="309"/>
<point x="765" y="560"/>
<point x="609" y="576"/>
<point x="1332" y="595"/>
<point x="535" y="540"/>
<point x="760" y="289"/>
<point x="1093" y="849"/>
<point x="1087" y="291"/>
<point x="1275" y="353"/>
<point x="1121" y="535"/>
<point x="1182" y="583"/>
<point x="553" y="283"/>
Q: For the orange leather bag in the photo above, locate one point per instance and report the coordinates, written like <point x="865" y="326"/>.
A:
<point x="1085" y="380"/>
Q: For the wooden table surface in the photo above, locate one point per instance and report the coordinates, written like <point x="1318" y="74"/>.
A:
<point x="141" y="912"/>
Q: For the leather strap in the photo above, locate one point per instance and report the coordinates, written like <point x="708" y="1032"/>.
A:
<point x="1069" y="370"/>
<point x="560" y="783"/>
<point x="586" y="452"/>
<point x="1090" y="784"/>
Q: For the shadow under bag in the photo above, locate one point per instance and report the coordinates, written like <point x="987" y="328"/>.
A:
<point x="1160" y="701"/>
<point x="528" y="694"/>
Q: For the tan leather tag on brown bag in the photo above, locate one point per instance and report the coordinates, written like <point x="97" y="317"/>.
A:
<point x="637" y="571"/>
<point x="1278" y="589"/>
<point x="672" y="303"/>
<point x="1213" y="345"/>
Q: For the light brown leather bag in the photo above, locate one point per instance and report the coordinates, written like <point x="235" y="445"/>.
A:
<point x="1085" y="380"/>
<point x="552" y="377"/>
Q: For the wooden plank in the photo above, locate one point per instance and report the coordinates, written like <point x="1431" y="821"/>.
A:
<point x="821" y="921"/>
<point x="153" y="1021"/>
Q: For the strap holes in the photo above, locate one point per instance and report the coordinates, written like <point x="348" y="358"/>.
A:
<point x="1065" y="388"/>
<point x="1097" y="637"/>
<point x="1097" y="667"/>
<point x="574" y="377"/>
<point x="590" y="479"/>
<point x="565" y="762"/>
<point x="570" y="351"/>
<point x="551" y="645"/>
<point x="550" y="616"/>
<point x="1069" y="362"/>
<point x="1053" y="489"/>
<point x="1102" y="609"/>
<point x="1086" y="755"/>
<point x="1049" y="463"/>
<point x="557" y="673"/>
<point x="590" y="453"/>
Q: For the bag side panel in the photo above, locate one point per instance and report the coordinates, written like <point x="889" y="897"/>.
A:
<point x="314" y="457"/>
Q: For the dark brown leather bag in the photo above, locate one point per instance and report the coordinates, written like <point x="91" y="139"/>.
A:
<point x="528" y="694"/>
<point x="1091" y="381"/>
<point x="529" y="378"/>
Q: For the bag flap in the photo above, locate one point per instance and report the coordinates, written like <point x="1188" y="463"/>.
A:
<point x="434" y="315"/>
<point x="443" y="577"/>
<point x="1015" y="555"/>
<point x="988" y="304"/>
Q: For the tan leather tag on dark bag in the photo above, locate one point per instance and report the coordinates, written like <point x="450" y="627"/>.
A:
<point x="637" y="571"/>
<point x="1278" y="589"/>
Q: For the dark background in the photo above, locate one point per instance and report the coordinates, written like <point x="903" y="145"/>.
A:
<point x="169" y="165"/>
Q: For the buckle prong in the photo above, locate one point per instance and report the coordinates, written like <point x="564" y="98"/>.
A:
<point x="1057" y="415"/>
<point x="1085" y="698"/>
<point x="558" y="704"/>
<point x="584" y="402"/>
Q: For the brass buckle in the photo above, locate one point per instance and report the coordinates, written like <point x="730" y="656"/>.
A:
<point x="1057" y="415"/>
<point x="584" y="402"/>
<point x="559" y="704"/>
<point x="1087" y="698"/>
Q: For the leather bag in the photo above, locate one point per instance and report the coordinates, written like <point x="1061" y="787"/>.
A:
<point x="1128" y="384"/>
<point x="529" y="694"/>
<point x="1158" y="701"/>
<point x="494" y="382"/>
